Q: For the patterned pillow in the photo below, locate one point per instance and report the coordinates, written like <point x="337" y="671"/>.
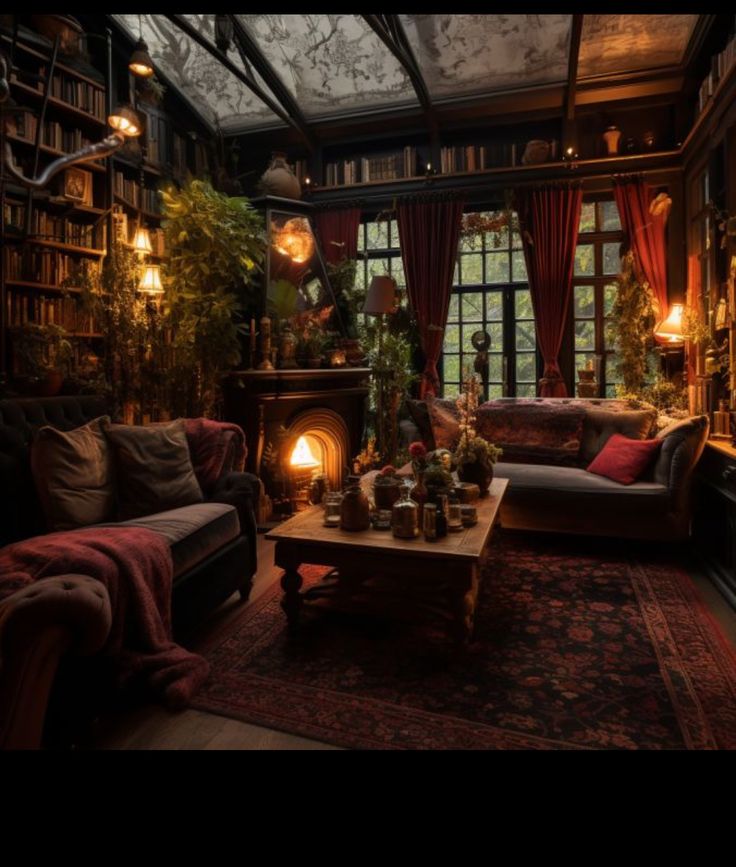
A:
<point x="444" y="417"/>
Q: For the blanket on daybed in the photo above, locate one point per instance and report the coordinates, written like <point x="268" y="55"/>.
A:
<point x="215" y="447"/>
<point x="135" y="566"/>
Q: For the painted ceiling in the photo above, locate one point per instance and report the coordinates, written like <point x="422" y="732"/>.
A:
<point x="336" y="65"/>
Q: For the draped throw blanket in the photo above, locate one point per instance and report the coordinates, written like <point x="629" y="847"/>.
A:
<point x="429" y="233"/>
<point x="549" y="218"/>
<point x="215" y="447"/>
<point x="135" y="566"/>
<point x="338" y="234"/>
<point x="646" y="236"/>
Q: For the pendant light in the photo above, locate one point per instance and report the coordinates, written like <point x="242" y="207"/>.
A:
<point x="223" y="32"/>
<point x="140" y="62"/>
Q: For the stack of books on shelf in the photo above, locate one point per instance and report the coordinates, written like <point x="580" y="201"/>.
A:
<point x="178" y="154"/>
<point x="126" y="188"/>
<point x="55" y="136"/>
<point x="385" y="168"/>
<point x="46" y="267"/>
<point x="337" y="174"/>
<point x="300" y="170"/>
<point x="157" y="242"/>
<point x="458" y="158"/>
<point x="14" y="216"/>
<point x="50" y="228"/>
<point x="86" y="97"/>
<point x="150" y="200"/>
<point x="720" y="67"/>
<point x="24" y="309"/>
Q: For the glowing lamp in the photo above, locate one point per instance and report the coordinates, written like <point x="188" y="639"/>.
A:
<point x="125" y="121"/>
<point x="140" y="62"/>
<point x="669" y="330"/>
<point x="302" y="456"/>
<point x="142" y="242"/>
<point x="295" y="240"/>
<point x="151" y="280"/>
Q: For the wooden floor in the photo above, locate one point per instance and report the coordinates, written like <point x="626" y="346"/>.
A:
<point x="153" y="728"/>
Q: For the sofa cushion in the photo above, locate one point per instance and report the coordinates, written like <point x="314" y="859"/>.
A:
<point x="600" y="424"/>
<point x="682" y="444"/>
<point x="73" y="474"/>
<point x="624" y="460"/>
<point x="419" y="414"/>
<point x="545" y="483"/>
<point x="153" y="467"/>
<point x="444" y="418"/>
<point x="193" y="532"/>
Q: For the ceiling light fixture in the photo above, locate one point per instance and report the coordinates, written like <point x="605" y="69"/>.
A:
<point x="140" y="62"/>
<point x="223" y="32"/>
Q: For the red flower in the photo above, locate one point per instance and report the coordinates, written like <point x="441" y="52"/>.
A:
<point x="388" y="470"/>
<point x="418" y="450"/>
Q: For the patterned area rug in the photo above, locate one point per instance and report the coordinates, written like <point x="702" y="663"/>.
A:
<point x="571" y="651"/>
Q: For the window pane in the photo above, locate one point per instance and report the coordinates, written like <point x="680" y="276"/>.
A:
<point x="395" y="233"/>
<point x="397" y="270"/>
<point x="523" y="308"/>
<point x="611" y="259"/>
<point x="472" y="306"/>
<point x="526" y="390"/>
<point x="453" y="314"/>
<point x="495" y="329"/>
<point x="494" y="306"/>
<point x="377" y="235"/>
<point x="452" y="368"/>
<point x="584" y="301"/>
<point x="361" y="237"/>
<point x="470" y="243"/>
<point x="584" y="335"/>
<point x="610" y="391"/>
<point x="495" y="391"/>
<point x="610" y="290"/>
<point x="456" y="275"/>
<point x="377" y="267"/>
<point x="471" y="268"/>
<point x="518" y="267"/>
<point x="526" y="367"/>
<point x="360" y="276"/>
<point x="582" y="359"/>
<point x="497" y="267"/>
<point x="525" y="336"/>
<point x="608" y="218"/>
<point x="609" y="341"/>
<point x="452" y="338"/>
<point x="451" y="389"/>
<point x="587" y="217"/>
<point x="584" y="260"/>
<point x="495" y="367"/>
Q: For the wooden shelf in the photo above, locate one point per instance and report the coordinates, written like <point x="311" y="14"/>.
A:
<point x="44" y="287"/>
<point x="714" y="104"/>
<point x="93" y="165"/>
<point x="151" y="168"/>
<point x="60" y="104"/>
<point x="60" y="65"/>
<point x="148" y="214"/>
<point x="67" y="248"/>
<point x="90" y="335"/>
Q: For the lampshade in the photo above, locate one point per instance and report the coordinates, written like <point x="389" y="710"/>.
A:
<point x="381" y="297"/>
<point x="302" y="455"/>
<point x="151" y="280"/>
<point x="142" y="241"/>
<point x="140" y="62"/>
<point x="126" y="121"/>
<point x="670" y="329"/>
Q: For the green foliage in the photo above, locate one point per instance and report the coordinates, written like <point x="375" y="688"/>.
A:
<point x="216" y="246"/>
<point x="631" y="323"/>
<point x="42" y="349"/>
<point x="437" y="475"/>
<point x="281" y="299"/>
<point x="349" y="300"/>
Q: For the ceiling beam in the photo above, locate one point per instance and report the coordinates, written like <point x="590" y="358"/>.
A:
<point x="263" y="67"/>
<point x="572" y="66"/>
<point x="252" y="85"/>
<point x="391" y="32"/>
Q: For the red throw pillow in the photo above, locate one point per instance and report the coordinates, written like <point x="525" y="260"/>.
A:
<point x="623" y="459"/>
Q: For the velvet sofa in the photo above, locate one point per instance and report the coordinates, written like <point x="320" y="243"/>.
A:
<point x="213" y="547"/>
<point x="549" y="442"/>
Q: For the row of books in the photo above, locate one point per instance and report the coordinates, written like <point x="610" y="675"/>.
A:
<point x="48" y="267"/>
<point x="720" y="65"/>
<point x="53" y="134"/>
<point x="23" y="308"/>
<point x="86" y="97"/>
<point x="300" y="170"/>
<point x="130" y="190"/>
<point x="384" y="168"/>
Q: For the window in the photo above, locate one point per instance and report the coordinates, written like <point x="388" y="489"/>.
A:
<point x="490" y="293"/>
<point x="378" y="244"/>
<point x="597" y="264"/>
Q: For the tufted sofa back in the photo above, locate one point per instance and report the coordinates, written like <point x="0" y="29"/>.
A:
<point x="20" y="510"/>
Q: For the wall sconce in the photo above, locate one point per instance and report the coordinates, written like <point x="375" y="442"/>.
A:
<point x="124" y="121"/>
<point x="151" y="281"/>
<point x="669" y="330"/>
<point x="142" y="242"/>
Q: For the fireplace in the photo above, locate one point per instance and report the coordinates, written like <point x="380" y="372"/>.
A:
<point x="318" y="414"/>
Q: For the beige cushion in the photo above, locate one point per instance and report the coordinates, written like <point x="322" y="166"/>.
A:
<point x="153" y="468"/>
<point x="599" y="425"/>
<point x="73" y="474"/>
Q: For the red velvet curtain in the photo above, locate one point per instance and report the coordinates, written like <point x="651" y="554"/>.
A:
<point x="549" y="218"/>
<point x="338" y="234"/>
<point x="429" y="234"/>
<point x="645" y="233"/>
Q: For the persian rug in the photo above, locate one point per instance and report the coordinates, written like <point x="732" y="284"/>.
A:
<point x="572" y="650"/>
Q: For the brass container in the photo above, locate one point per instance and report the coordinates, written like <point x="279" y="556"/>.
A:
<point x="355" y="510"/>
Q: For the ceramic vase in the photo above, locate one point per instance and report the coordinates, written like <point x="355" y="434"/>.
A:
<point x="477" y="473"/>
<point x="612" y="138"/>
<point x="279" y="180"/>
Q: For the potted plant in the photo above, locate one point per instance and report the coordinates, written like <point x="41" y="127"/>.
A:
<point x="313" y="343"/>
<point x="437" y="477"/>
<point x="474" y="456"/>
<point x="44" y="353"/>
<point x="216" y="246"/>
<point x="151" y="90"/>
<point x="386" y="488"/>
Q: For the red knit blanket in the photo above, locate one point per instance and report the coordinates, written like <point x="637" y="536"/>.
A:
<point x="136" y="567"/>
<point x="215" y="447"/>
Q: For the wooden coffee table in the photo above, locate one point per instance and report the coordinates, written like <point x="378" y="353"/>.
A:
<point x="375" y="570"/>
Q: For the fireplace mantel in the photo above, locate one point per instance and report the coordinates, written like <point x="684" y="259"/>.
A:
<point x="262" y="400"/>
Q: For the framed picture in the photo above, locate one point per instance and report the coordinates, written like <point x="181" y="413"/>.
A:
<point x="78" y="186"/>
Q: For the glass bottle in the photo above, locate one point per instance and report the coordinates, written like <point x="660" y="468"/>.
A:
<point x="405" y="515"/>
<point x="419" y="492"/>
<point x="429" y="525"/>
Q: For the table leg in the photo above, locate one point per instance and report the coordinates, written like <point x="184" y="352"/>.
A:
<point x="292" y="601"/>
<point x="463" y="609"/>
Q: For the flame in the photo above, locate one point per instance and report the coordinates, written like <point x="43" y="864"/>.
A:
<point x="302" y="455"/>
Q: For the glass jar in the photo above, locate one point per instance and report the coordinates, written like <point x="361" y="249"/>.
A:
<point x="405" y="516"/>
<point x="332" y="505"/>
<point x="429" y="521"/>
<point x="454" y="516"/>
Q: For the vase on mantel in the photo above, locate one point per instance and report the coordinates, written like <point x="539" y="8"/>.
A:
<point x="612" y="138"/>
